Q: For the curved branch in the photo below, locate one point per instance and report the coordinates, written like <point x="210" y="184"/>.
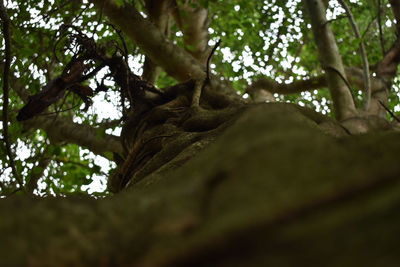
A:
<point x="173" y="59"/>
<point x="63" y="130"/>
<point x="354" y="75"/>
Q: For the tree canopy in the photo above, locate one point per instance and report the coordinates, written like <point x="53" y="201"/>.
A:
<point x="199" y="133"/>
<point x="339" y="60"/>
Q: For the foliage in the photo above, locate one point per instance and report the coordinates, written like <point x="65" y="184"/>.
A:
<point x="259" y="38"/>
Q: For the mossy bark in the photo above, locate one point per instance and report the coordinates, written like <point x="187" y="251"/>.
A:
<point x="273" y="189"/>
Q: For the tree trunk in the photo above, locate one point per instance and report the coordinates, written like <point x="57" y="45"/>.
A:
<point x="274" y="188"/>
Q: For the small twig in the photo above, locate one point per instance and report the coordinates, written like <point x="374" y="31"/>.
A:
<point x="80" y="13"/>
<point x="363" y="53"/>
<point x="367" y="28"/>
<point x="335" y="19"/>
<point x="118" y="31"/>
<point x="341" y="76"/>
<point x="389" y="111"/>
<point x="6" y="33"/>
<point x="100" y="18"/>
<point x="60" y="160"/>
<point x="209" y="59"/>
<point x="91" y="73"/>
<point x="59" y="111"/>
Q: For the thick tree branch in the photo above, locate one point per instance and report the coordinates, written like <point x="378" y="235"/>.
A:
<point x="193" y="22"/>
<point x="174" y="60"/>
<point x="331" y="60"/>
<point x="354" y="75"/>
<point x="6" y="74"/>
<point x="158" y="12"/>
<point x="387" y="67"/>
<point x="291" y="88"/>
<point x="386" y="70"/>
<point x="63" y="130"/>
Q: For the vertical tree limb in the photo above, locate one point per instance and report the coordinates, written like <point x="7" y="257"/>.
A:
<point x="331" y="60"/>
<point x="363" y="54"/>
<point x="158" y="12"/>
<point x="6" y="70"/>
<point x="192" y="19"/>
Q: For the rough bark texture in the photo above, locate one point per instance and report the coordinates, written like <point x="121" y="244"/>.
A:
<point x="274" y="189"/>
<point x="331" y="61"/>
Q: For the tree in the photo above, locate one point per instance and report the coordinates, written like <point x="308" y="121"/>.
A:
<point x="212" y="165"/>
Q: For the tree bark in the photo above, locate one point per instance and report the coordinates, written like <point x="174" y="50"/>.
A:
<point x="173" y="59"/>
<point x="331" y="61"/>
<point x="273" y="189"/>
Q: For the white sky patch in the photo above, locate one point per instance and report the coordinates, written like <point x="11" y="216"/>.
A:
<point x="99" y="182"/>
<point x="247" y="57"/>
<point x="227" y="54"/>
<point x="22" y="151"/>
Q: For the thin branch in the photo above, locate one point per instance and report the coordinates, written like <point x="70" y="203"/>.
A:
<point x="368" y="28"/>
<point x="80" y="164"/>
<point x="6" y="72"/>
<point x="209" y="59"/>
<point x="344" y="79"/>
<point x="389" y="111"/>
<point x="363" y="53"/>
